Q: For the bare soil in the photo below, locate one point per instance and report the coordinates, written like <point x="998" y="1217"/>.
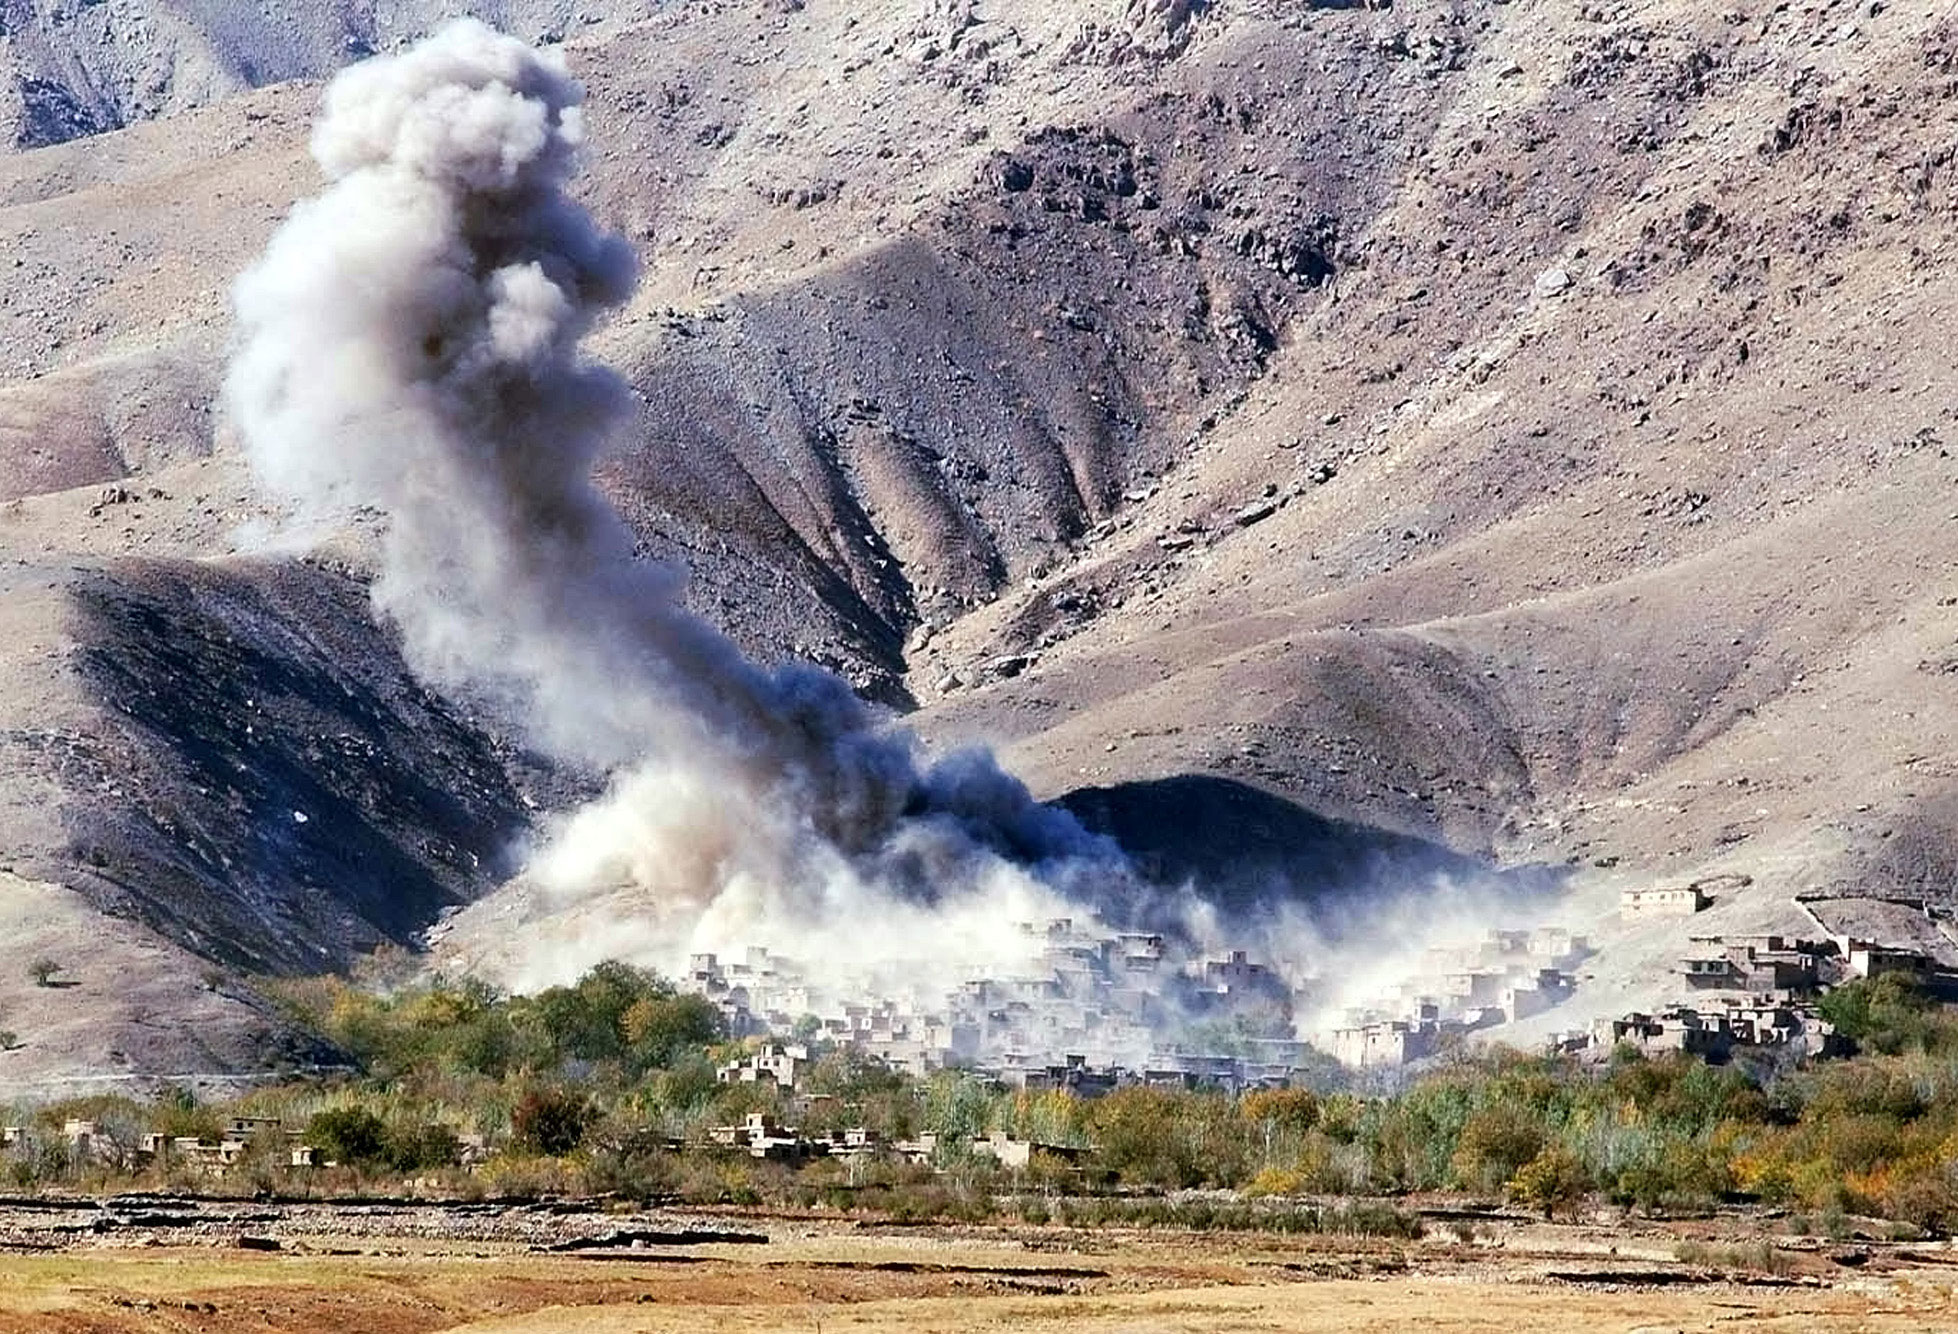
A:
<point x="214" y="1268"/>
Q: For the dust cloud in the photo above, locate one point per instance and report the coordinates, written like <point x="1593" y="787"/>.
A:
<point x="408" y="348"/>
<point x="409" y="345"/>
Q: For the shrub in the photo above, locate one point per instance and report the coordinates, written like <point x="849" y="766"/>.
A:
<point x="1835" y="1224"/>
<point x="420" y="1148"/>
<point x="1889" y="1013"/>
<point x="1495" y="1143"/>
<point x="518" y="1177"/>
<point x="550" y="1121"/>
<point x="1276" y="1181"/>
<point x="1681" y="1174"/>
<point x="1918" y="1193"/>
<point x="628" y="1160"/>
<point x="1371" y="1219"/>
<point x="1552" y="1180"/>
<point x="1761" y="1256"/>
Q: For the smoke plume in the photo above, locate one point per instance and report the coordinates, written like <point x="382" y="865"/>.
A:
<point x="408" y="348"/>
<point x="409" y="345"/>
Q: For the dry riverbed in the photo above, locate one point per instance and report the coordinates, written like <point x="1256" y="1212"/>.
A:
<point x="162" y="1264"/>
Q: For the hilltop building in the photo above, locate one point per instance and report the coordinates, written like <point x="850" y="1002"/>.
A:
<point x="1683" y="901"/>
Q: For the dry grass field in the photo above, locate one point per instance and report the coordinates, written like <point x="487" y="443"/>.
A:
<point x="827" y="1277"/>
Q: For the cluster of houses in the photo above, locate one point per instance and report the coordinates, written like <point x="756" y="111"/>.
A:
<point x="1736" y="992"/>
<point x="1502" y="977"/>
<point x="1873" y="936"/>
<point x="1129" y="1011"/>
<point x="1771" y="965"/>
<point x="1092" y="1010"/>
<point x="1766" y="985"/>
<point x="1716" y="1034"/>
<point x="761" y="1136"/>
<point x="1264" y="1063"/>
<point x="88" y="1140"/>
<point x="1115" y="999"/>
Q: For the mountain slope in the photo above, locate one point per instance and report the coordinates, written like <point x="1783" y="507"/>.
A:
<point x="68" y="71"/>
<point x="1522" y="428"/>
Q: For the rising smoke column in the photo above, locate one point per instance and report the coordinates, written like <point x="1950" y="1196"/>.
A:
<point x="408" y="344"/>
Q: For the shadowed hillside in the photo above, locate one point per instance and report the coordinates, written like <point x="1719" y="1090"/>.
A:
<point x="1250" y="853"/>
<point x="269" y="789"/>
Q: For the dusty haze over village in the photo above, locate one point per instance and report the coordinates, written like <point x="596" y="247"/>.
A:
<point x="1139" y="536"/>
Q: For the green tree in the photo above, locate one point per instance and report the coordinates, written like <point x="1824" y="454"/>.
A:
<point x="178" y="1114"/>
<point x="1293" y="1110"/>
<point x="681" y="1094"/>
<point x="350" y="1136"/>
<point x="850" y="1076"/>
<point x="1170" y="1138"/>
<point x="1682" y="1093"/>
<point x="663" y="1025"/>
<point x="1888" y="1013"/>
<point x="620" y="1013"/>
<point x="957" y="1107"/>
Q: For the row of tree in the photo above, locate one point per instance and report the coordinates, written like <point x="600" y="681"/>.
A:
<point x="586" y="1086"/>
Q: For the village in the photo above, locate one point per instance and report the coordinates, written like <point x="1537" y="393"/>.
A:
<point x="1096" y="1011"/>
<point x="1735" y="993"/>
<point x="88" y="1140"/>
<point x="1092" y="1011"/>
<point x="758" y="1135"/>
<point x="1101" y="1010"/>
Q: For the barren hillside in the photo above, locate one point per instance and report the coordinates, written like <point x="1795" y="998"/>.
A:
<point x="74" y="68"/>
<point x="1518" y="427"/>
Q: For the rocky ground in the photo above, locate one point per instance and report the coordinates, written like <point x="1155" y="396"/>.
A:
<point x="137" y="1219"/>
<point x="1518" y="429"/>
<point x="70" y="69"/>
<point x="167" y="1263"/>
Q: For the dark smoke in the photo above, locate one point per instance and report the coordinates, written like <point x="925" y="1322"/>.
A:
<point x="409" y="344"/>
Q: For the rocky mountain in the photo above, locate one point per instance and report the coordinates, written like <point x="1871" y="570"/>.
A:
<point x="1516" y="428"/>
<point x="74" y="68"/>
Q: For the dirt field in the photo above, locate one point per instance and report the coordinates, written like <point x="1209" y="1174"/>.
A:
<point x="310" y="1270"/>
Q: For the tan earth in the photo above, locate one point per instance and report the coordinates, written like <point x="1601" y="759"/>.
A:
<point x="833" y="1279"/>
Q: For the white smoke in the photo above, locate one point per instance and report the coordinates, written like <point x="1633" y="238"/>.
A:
<point x="408" y="344"/>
